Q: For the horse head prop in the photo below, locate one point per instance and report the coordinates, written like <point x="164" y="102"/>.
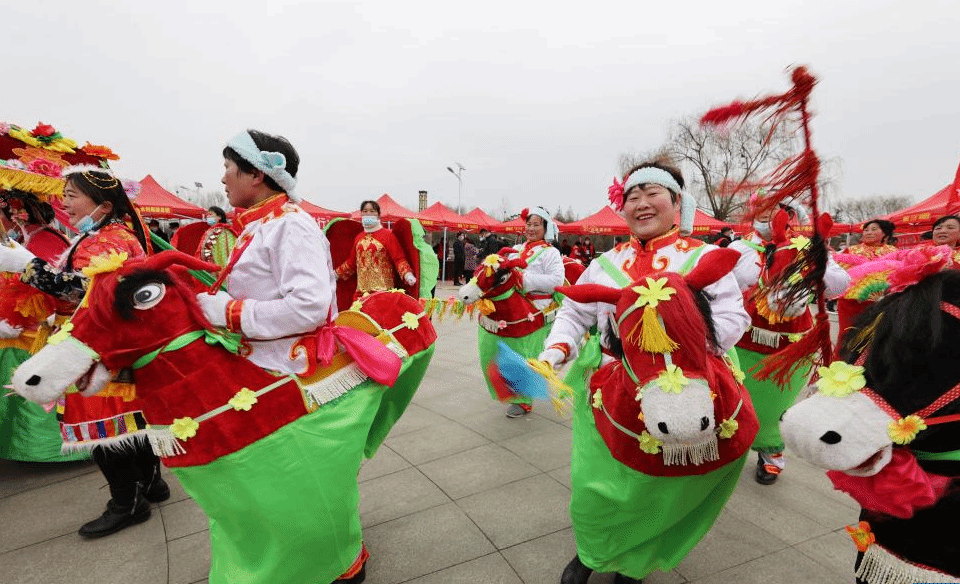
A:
<point x="497" y="286"/>
<point x="670" y="406"/>
<point x="886" y="423"/>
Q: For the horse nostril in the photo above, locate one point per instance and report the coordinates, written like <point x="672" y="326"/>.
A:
<point x="34" y="380"/>
<point x="704" y="422"/>
<point x="830" y="437"/>
<point x="663" y="427"/>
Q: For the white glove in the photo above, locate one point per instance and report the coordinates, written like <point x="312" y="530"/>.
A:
<point x="410" y="279"/>
<point x="14" y="257"/>
<point x="8" y="331"/>
<point x="554" y="357"/>
<point x="793" y="310"/>
<point x="214" y="307"/>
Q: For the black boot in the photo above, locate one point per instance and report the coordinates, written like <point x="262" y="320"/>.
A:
<point x="360" y="577"/>
<point x="575" y="572"/>
<point x="621" y="579"/>
<point x="156" y="489"/>
<point x="117" y="517"/>
<point x="767" y="474"/>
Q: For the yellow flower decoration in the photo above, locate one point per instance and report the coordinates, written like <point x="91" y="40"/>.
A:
<point x="61" y="335"/>
<point x="243" y="400"/>
<point x="597" y="400"/>
<point x="649" y="444"/>
<point x="184" y="428"/>
<point x="105" y="263"/>
<point x="411" y="320"/>
<point x="728" y="428"/>
<point x="798" y="242"/>
<point x="671" y="380"/>
<point x="794" y="337"/>
<point x="861" y="535"/>
<point x="840" y="379"/>
<point x="356" y="306"/>
<point x="653" y="293"/>
<point x="904" y="430"/>
<point x="491" y="263"/>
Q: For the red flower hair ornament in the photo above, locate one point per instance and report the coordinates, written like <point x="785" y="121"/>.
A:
<point x="615" y="194"/>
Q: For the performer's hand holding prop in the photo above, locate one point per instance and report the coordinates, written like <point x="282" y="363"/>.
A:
<point x="553" y="357"/>
<point x="14" y="257"/>
<point x="410" y="279"/>
<point x="214" y="307"/>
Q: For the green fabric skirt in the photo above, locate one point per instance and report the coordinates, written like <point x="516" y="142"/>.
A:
<point x="770" y="401"/>
<point x="528" y="346"/>
<point x="27" y="433"/>
<point x="625" y="521"/>
<point x="285" y="509"/>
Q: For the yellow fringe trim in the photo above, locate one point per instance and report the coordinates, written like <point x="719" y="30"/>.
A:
<point x="764" y="310"/>
<point x="126" y="391"/>
<point x="650" y="335"/>
<point x="38" y="184"/>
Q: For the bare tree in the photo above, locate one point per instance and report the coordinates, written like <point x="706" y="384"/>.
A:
<point x="565" y="216"/>
<point x="720" y="163"/>
<point x="860" y="210"/>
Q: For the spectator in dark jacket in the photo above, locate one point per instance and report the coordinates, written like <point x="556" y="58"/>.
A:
<point x="459" y="258"/>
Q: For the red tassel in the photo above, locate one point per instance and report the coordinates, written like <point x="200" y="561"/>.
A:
<point x="782" y="365"/>
<point x="500" y="386"/>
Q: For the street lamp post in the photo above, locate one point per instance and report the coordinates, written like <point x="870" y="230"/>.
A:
<point x="459" y="174"/>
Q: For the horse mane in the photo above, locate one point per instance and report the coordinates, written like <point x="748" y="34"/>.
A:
<point x="913" y="347"/>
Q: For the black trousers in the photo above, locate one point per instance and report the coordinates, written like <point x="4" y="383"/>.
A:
<point x="458" y="269"/>
<point x="127" y="469"/>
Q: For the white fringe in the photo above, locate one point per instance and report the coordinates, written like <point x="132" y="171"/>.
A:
<point x="882" y="567"/>
<point x="337" y="384"/>
<point x="112" y="443"/>
<point x="164" y="443"/>
<point x="704" y="451"/>
<point x="398" y="350"/>
<point x="765" y="337"/>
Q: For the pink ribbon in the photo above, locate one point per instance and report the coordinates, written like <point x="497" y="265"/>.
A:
<point x="372" y="357"/>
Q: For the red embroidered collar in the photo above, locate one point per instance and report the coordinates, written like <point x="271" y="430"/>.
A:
<point x="262" y="209"/>
<point x="657" y="243"/>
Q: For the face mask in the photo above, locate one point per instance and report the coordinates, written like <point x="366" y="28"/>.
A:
<point x="369" y="221"/>
<point x="211" y="220"/>
<point x="762" y="228"/>
<point x="87" y="223"/>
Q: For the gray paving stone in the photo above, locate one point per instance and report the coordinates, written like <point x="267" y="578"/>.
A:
<point x="423" y="543"/>
<point x="547" y="450"/>
<point x="464" y="402"/>
<point x="17" y="477"/>
<point x="491" y="569"/>
<point x="520" y="511"/>
<point x="787" y="566"/>
<point x="477" y="470"/>
<point x="541" y="560"/>
<point x="561" y="475"/>
<point x="443" y="439"/>
<point x="177" y="493"/>
<point x="190" y="558"/>
<point x="492" y="423"/>
<point x="415" y="417"/>
<point x="835" y="551"/>
<point x="731" y="541"/>
<point x="139" y="555"/>
<point x="380" y="499"/>
<point x="385" y="462"/>
<point x="183" y="518"/>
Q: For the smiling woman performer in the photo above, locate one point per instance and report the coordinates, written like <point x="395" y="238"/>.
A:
<point x="946" y="231"/>
<point x="612" y="504"/>
<point x="99" y="207"/>
<point x="875" y="242"/>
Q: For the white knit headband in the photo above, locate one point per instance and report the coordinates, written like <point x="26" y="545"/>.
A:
<point x="272" y="164"/>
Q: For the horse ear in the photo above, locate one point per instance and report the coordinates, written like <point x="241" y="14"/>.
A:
<point x="711" y="267"/>
<point x="824" y="225"/>
<point x="514" y="263"/>
<point x="167" y="258"/>
<point x="779" y="226"/>
<point x="591" y="293"/>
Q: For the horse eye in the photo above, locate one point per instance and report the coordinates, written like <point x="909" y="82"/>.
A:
<point x="148" y="295"/>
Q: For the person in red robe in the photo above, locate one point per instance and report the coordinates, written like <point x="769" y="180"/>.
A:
<point x="378" y="258"/>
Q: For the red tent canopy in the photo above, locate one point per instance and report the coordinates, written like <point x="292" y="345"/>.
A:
<point x="482" y="219"/>
<point x="946" y="201"/>
<point x="603" y="222"/>
<point x="518" y="225"/>
<point x="390" y="210"/>
<point x="439" y="216"/>
<point x="156" y="201"/>
<point x="704" y="224"/>
<point x="318" y="212"/>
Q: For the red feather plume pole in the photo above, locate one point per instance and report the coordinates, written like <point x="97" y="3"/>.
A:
<point x="791" y="180"/>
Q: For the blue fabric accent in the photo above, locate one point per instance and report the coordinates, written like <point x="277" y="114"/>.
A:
<point x="272" y="164"/>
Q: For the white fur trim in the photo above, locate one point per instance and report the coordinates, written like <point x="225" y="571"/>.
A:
<point x="879" y="566"/>
<point x="688" y="211"/>
<point x="112" y="443"/>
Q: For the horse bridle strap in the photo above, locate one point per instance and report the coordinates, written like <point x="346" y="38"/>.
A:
<point x="230" y="342"/>
<point x="944" y="400"/>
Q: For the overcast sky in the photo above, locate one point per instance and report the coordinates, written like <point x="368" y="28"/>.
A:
<point x="537" y="100"/>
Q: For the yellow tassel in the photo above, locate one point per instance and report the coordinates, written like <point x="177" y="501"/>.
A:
<point x="126" y="391"/>
<point x="652" y="337"/>
<point x="43" y="186"/>
<point x="485" y="306"/>
<point x="40" y="340"/>
<point x="864" y="335"/>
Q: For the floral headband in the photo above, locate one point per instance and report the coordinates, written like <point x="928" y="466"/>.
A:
<point x="130" y="187"/>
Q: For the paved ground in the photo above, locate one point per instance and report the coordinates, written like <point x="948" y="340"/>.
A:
<point x="458" y="494"/>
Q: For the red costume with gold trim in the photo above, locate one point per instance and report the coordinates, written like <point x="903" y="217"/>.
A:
<point x="377" y="261"/>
